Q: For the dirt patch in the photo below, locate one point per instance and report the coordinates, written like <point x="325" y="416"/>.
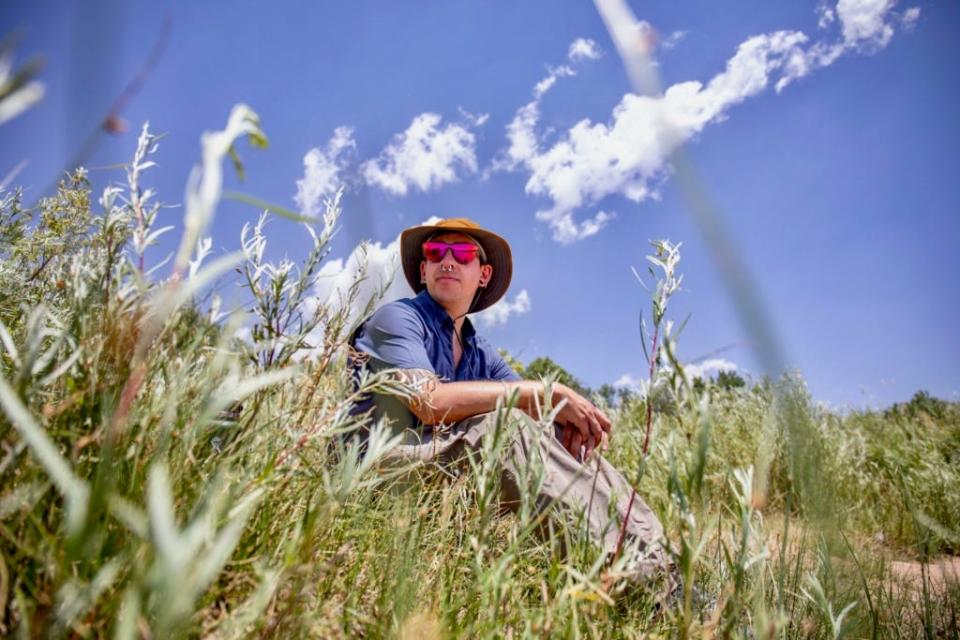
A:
<point x="902" y="575"/>
<point x="942" y="574"/>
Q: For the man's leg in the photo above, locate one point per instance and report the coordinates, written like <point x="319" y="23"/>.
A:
<point x="594" y="486"/>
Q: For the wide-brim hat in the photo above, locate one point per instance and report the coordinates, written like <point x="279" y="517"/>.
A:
<point x="497" y="251"/>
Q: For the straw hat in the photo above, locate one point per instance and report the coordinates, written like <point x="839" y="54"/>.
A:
<point x="496" y="249"/>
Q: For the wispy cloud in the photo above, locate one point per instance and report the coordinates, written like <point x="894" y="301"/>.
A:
<point x="550" y="79"/>
<point x="323" y="171"/>
<point x="592" y="226"/>
<point x="521" y="131"/>
<point x="707" y="367"/>
<point x="627" y="381"/>
<point x="583" y="49"/>
<point x="425" y="156"/>
<point x="499" y="313"/>
<point x="865" y="26"/>
<point x="693" y="370"/>
<point x="473" y="119"/>
<point x="672" y="40"/>
<point x="910" y="17"/>
<point x="825" y="14"/>
<point x="629" y="154"/>
<point x="865" y="21"/>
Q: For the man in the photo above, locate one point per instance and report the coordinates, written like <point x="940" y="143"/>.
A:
<point x="456" y="267"/>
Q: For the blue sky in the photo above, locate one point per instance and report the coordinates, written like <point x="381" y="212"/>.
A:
<point x="825" y="134"/>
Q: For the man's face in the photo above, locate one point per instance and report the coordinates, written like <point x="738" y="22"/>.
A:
<point x="450" y="283"/>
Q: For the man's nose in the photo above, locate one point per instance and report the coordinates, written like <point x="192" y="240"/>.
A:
<point x="448" y="258"/>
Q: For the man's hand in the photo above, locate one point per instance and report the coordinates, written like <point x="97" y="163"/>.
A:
<point x="573" y="442"/>
<point x="584" y="425"/>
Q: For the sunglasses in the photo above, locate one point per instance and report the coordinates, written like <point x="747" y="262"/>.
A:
<point x="463" y="252"/>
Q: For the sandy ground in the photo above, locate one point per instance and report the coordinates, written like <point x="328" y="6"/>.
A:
<point x="942" y="573"/>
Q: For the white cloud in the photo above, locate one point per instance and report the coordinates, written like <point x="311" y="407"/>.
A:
<point x="474" y="119"/>
<point x="825" y="15"/>
<point x="568" y="230"/>
<point x="521" y="133"/>
<point x="629" y="154"/>
<point x="583" y="49"/>
<point x="522" y="138"/>
<point x="322" y="171"/>
<point x="627" y="381"/>
<point x="499" y="313"/>
<point x="425" y="156"/>
<point x="804" y="61"/>
<point x="592" y="225"/>
<point x="707" y="367"/>
<point x="378" y="265"/>
<point x="866" y="25"/>
<point x="693" y="370"/>
<point x="865" y="21"/>
<point x="673" y="39"/>
<point x="554" y="72"/>
<point x="910" y="17"/>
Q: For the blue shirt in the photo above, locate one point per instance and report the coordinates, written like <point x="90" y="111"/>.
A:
<point x="417" y="333"/>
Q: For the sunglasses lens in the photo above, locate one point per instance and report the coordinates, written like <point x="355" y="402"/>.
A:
<point x="463" y="252"/>
<point x="433" y="251"/>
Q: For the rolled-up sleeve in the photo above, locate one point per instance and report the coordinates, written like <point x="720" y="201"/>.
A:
<point x="496" y="367"/>
<point x="502" y="371"/>
<point x="395" y="337"/>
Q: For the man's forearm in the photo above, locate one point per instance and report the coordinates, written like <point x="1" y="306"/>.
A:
<point x="434" y="402"/>
<point x="450" y="402"/>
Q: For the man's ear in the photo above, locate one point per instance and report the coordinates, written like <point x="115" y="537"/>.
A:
<point x="486" y="272"/>
<point x="423" y="271"/>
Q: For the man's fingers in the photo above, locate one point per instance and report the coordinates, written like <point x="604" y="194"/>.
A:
<point x="596" y="431"/>
<point x="570" y="432"/>
<point x="576" y="444"/>
<point x="567" y="440"/>
<point x="604" y="421"/>
<point x="589" y="448"/>
<point x="589" y="423"/>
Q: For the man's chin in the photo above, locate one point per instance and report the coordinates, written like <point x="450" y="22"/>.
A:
<point x="448" y="295"/>
<point x="444" y="296"/>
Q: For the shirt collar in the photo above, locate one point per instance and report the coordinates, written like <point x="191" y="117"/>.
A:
<point x="437" y="313"/>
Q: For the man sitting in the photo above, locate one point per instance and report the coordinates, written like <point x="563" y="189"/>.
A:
<point x="456" y="267"/>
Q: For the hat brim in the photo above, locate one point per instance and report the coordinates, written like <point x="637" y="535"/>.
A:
<point x="496" y="249"/>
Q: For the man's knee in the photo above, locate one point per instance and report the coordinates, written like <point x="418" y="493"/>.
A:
<point x="502" y="417"/>
<point x="516" y="416"/>
<point x="524" y="432"/>
<point x="523" y="426"/>
<point x="510" y="423"/>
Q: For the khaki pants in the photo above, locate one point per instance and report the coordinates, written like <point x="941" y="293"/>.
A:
<point x="594" y="487"/>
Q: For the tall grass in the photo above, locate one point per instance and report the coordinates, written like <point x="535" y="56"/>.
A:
<point x="162" y="477"/>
